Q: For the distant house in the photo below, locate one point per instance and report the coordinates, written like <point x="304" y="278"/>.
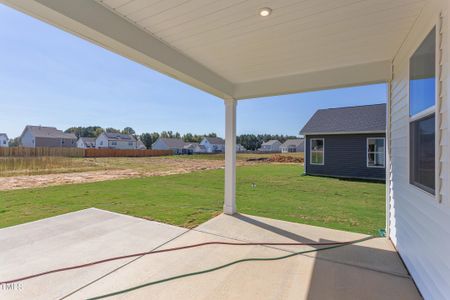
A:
<point x="109" y="140"/>
<point x="140" y="145"/>
<point x="174" y="144"/>
<point x="270" y="146"/>
<point x="86" y="142"/>
<point x="347" y="142"/>
<point x="293" y="145"/>
<point x="42" y="136"/>
<point x="213" y="144"/>
<point x="240" y="148"/>
<point x="4" y="141"/>
<point x="195" y="147"/>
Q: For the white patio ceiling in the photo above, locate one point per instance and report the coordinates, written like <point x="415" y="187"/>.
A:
<point x="229" y="50"/>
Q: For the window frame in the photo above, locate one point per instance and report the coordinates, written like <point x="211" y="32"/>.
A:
<point x="428" y="112"/>
<point x="384" y="151"/>
<point x="311" y="152"/>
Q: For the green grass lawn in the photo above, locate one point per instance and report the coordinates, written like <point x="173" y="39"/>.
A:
<point x="281" y="192"/>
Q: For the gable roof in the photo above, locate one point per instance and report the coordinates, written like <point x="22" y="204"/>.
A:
<point x="173" y="142"/>
<point x="215" y="140"/>
<point x="4" y="134"/>
<point x="191" y="145"/>
<point x="140" y="145"/>
<point x="293" y="142"/>
<point x="119" y="137"/>
<point x="270" y="143"/>
<point x="48" y="132"/>
<point x="88" y="141"/>
<point x="354" y="119"/>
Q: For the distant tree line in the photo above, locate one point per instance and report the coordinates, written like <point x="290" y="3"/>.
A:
<point x="249" y="141"/>
<point x="148" y="138"/>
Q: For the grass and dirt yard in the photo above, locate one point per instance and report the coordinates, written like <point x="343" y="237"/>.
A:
<point x="271" y="190"/>
<point x="33" y="172"/>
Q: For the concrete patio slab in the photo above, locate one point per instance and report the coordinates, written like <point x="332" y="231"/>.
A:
<point x="369" y="269"/>
<point x="69" y="239"/>
<point x="377" y="254"/>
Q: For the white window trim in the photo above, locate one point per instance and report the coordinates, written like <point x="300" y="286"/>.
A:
<point x="384" y="151"/>
<point x="311" y="151"/>
<point x="423" y="114"/>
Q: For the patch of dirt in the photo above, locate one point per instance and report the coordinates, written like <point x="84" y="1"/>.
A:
<point x="162" y="167"/>
<point x="278" y="159"/>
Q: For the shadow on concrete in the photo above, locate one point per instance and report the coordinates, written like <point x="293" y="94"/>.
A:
<point x="352" y="271"/>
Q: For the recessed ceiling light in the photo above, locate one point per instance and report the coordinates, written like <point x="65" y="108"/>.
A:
<point x="264" y="12"/>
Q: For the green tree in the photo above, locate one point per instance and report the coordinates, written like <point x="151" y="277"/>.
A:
<point x="146" y="138"/>
<point x="90" y="131"/>
<point x="188" y="138"/>
<point x="15" y="142"/>
<point x="98" y="131"/>
<point x="112" y="130"/>
<point x="128" y="130"/>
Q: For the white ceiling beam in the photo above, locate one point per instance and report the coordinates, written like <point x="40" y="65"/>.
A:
<point x="370" y="73"/>
<point x="94" y="22"/>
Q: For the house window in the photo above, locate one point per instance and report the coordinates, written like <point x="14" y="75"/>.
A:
<point x="422" y="129"/>
<point x="114" y="143"/>
<point x="101" y="143"/>
<point x="375" y="152"/>
<point x="130" y="143"/>
<point x="317" y="151"/>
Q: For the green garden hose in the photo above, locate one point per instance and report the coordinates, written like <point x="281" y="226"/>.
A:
<point x="225" y="266"/>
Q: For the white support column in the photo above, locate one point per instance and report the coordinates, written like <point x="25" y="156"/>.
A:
<point x="388" y="159"/>
<point x="229" y="206"/>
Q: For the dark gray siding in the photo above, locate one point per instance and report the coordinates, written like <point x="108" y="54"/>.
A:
<point x="345" y="156"/>
<point x="54" y="142"/>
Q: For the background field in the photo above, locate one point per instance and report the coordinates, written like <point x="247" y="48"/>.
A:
<point x="277" y="191"/>
<point x="17" y="166"/>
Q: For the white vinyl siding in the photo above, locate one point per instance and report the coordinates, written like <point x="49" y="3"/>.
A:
<point x="27" y="139"/>
<point x="420" y="222"/>
<point x="4" y="141"/>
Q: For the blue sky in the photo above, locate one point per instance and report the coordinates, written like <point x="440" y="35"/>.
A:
<point x="49" y="77"/>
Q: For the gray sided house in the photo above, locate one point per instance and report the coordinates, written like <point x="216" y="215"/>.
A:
<point x="109" y="140"/>
<point x="42" y="136"/>
<point x="270" y="146"/>
<point x="347" y="142"/>
<point x="293" y="145"/>
<point x="86" y="142"/>
<point x="213" y="144"/>
<point x="195" y="148"/>
<point x="174" y="144"/>
<point x="141" y="145"/>
<point x="4" y="141"/>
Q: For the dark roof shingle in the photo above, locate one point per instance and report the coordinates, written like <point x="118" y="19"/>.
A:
<point x="215" y="140"/>
<point x="293" y="142"/>
<point x="119" y="136"/>
<point x="355" y="119"/>
<point x="173" y="142"/>
<point x="49" y="132"/>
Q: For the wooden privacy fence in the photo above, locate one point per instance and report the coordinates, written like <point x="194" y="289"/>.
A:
<point x="125" y="153"/>
<point x="41" y="151"/>
<point x="78" y="152"/>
